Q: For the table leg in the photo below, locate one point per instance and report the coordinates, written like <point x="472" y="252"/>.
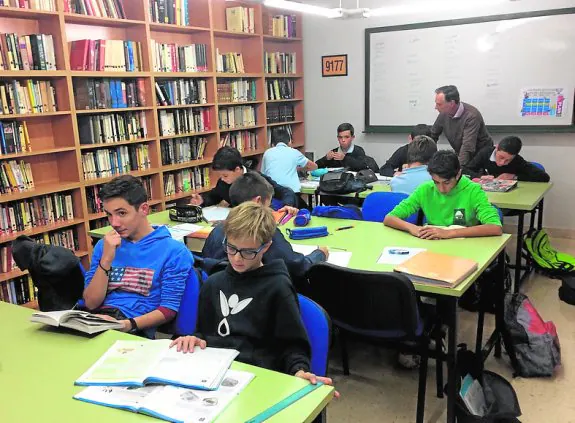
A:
<point x="540" y="215"/>
<point x="451" y="312"/>
<point x="519" y="246"/>
<point x="500" y="303"/>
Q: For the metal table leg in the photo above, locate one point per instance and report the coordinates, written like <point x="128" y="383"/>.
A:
<point x="519" y="246"/>
<point x="451" y="313"/>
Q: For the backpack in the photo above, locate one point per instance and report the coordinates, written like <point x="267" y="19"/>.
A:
<point x="366" y="175"/>
<point x="535" y="349"/>
<point x="341" y="183"/>
<point x="567" y="289"/>
<point x="545" y="256"/>
<point x="338" y="212"/>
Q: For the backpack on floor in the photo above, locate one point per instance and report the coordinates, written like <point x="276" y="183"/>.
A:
<point x="545" y="256"/>
<point x="535" y="349"/>
<point x="567" y="289"/>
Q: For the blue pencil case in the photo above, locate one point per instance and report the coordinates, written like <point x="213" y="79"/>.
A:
<point x="306" y="233"/>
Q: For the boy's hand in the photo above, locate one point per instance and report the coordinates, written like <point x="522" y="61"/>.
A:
<point x="330" y="155"/>
<point x="325" y="251"/>
<point x="125" y="323"/>
<point x="314" y="379"/>
<point x="339" y="156"/>
<point x="196" y="200"/>
<point x="415" y="230"/>
<point x="429" y="232"/>
<point x="506" y="176"/>
<point x="187" y="343"/>
<point x="488" y="177"/>
<point x="112" y="240"/>
<point x="292" y="211"/>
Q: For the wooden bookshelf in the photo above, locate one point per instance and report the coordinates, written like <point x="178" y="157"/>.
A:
<point x="56" y="152"/>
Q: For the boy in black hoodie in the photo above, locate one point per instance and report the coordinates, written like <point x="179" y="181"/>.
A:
<point x="252" y="307"/>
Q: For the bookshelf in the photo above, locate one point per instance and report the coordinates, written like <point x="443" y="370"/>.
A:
<point x="57" y="142"/>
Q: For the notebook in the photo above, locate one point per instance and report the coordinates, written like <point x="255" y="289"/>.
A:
<point x="496" y="185"/>
<point x="81" y="321"/>
<point x="215" y="213"/>
<point x="437" y="269"/>
<point x="338" y="258"/>
<point x="143" y="362"/>
<point x="169" y="402"/>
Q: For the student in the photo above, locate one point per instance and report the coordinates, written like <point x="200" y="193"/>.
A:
<point x="399" y="158"/>
<point x="228" y="165"/>
<point x="253" y="187"/>
<point x="414" y="173"/>
<point x="504" y="162"/>
<point x="252" y="307"/>
<point x="138" y="271"/>
<point x="450" y="199"/>
<point x="348" y="154"/>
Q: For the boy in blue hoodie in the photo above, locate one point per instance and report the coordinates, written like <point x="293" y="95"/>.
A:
<point x="138" y="271"/>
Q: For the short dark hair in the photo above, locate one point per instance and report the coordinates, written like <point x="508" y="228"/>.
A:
<point x="450" y="92"/>
<point x="249" y="186"/>
<point x="421" y="129"/>
<point x="280" y="135"/>
<point x="421" y="149"/>
<point x="444" y="164"/>
<point x="127" y="187"/>
<point x="510" y="144"/>
<point x="346" y="127"/>
<point x="227" y="158"/>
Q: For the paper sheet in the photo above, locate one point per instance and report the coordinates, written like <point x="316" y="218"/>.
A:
<point x="387" y="257"/>
<point x="310" y="184"/>
<point x="338" y="258"/>
<point x="215" y="213"/>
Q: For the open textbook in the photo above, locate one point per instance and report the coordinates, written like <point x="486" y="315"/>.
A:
<point x="339" y="258"/>
<point x="81" y="321"/>
<point x="169" y="402"/>
<point x="142" y="362"/>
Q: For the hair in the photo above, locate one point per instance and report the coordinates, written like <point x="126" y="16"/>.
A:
<point x="250" y="220"/>
<point x="421" y="149"/>
<point x="510" y="144"/>
<point x="450" y="92"/>
<point x="421" y="129"/>
<point x="127" y="187"/>
<point x="249" y="186"/>
<point x="227" y="158"/>
<point x="346" y="127"/>
<point x="444" y="164"/>
<point x="280" y="135"/>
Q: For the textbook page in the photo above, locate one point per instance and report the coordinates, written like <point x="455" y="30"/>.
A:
<point x="215" y="213"/>
<point x="338" y="258"/>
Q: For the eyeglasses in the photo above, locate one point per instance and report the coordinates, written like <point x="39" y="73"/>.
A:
<point x="245" y="253"/>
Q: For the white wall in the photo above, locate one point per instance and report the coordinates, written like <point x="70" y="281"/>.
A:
<point x="330" y="101"/>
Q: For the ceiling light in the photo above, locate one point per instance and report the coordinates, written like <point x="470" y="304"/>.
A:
<point x="429" y="6"/>
<point x="305" y="8"/>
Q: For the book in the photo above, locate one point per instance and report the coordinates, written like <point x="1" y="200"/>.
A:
<point x="81" y="321"/>
<point x="215" y="213"/>
<point x="143" y="362"/>
<point x="338" y="258"/>
<point x="437" y="269"/>
<point x="496" y="185"/>
<point x="169" y="402"/>
<point x="472" y="395"/>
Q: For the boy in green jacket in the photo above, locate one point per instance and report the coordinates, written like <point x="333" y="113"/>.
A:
<point x="450" y="199"/>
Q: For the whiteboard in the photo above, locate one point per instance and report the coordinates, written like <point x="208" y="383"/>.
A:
<point x="518" y="70"/>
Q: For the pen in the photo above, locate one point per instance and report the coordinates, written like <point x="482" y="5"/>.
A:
<point x="398" y="251"/>
<point x="345" y="227"/>
<point x="338" y="249"/>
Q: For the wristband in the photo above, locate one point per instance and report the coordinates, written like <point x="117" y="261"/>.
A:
<point x="107" y="272"/>
<point x="134" y="327"/>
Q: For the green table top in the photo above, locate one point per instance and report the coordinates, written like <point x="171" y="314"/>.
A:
<point x="38" y="366"/>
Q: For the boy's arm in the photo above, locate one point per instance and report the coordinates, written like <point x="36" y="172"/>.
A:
<point x="529" y="172"/>
<point x="475" y="168"/>
<point x="284" y="194"/>
<point x="212" y="197"/>
<point x="394" y="162"/>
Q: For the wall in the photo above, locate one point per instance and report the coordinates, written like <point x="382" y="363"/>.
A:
<point x="330" y="101"/>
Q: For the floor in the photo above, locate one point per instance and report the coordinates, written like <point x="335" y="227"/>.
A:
<point x="378" y="391"/>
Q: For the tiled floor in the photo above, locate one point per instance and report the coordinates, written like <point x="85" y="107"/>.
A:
<point x="378" y="391"/>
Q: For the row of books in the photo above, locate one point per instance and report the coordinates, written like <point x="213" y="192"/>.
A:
<point x="278" y="62"/>
<point x="280" y="89"/>
<point x="281" y="25"/>
<point x="181" y="92"/>
<point x="99" y="223"/>
<point x="66" y="238"/>
<point x="14" y="137"/>
<point x="237" y="117"/>
<point x="18" y="216"/>
<point x="27" y="52"/>
<point x="186" y="180"/>
<point x="271" y="131"/>
<point x="106" y="55"/>
<point x="182" y="150"/>
<point x="120" y="160"/>
<point x="175" y="12"/>
<point x="18" y="291"/>
<point x="47" y="5"/>
<point x="241" y="140"/>
<point x="95" y="204"/>
<point x="229" y="62"/>
<point x="100" y="8"/>
<point x="172" y="57"/>
<point x="240" y="19"/>
<point x="184" y="121"/>
<point x="236" y="91"/>
<point x="15" y="177"/>
<point x="107" y="93"/>
<point x="27" y="96"/>
<point x="7" y="263"/>
<point x="280" y="113"/>
<point x="112" y="127"/>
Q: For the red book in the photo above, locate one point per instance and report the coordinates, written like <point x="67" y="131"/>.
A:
<point x="79" y="55"/>
<point x="101" y="56"/>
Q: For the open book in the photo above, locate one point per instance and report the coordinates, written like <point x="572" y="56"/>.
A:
<point x="81" y="321"/>
<point x="169" y="402"/>
<point x="138" y="363"/>
<point x="496" y="185"/>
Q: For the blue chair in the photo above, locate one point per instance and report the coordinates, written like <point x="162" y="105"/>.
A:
<point x="187" y="317"/>
<point x="318" y="327"/>
<point x="378" y="204"/>
<point x="538" y="165"/>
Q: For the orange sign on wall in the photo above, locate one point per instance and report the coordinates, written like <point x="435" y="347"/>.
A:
<point x="334" y="65"/>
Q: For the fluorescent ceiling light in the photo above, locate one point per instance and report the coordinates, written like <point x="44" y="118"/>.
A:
<point x="305" y="8"/>
<point x="430" y="6"/>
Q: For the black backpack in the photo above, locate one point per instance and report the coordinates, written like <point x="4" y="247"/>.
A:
<point x="341" y="183"/>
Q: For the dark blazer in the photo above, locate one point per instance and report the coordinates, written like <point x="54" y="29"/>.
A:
<point x="354" y="161"/>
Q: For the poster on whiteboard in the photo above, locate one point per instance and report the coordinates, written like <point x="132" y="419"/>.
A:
<point x="543" y="102"/>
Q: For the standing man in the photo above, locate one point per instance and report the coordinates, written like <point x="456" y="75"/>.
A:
<point x="461" y="123"/>
<point x="348" y="154"/>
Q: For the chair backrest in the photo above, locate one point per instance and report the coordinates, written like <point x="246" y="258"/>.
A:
<point x="378" y="204"/>
<point x="187" y="316"/>
<point x="499" y="212"/>
<point x="318" y="327"/>
<point x="378" y="304"/>
<point x="538" y="165"/>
